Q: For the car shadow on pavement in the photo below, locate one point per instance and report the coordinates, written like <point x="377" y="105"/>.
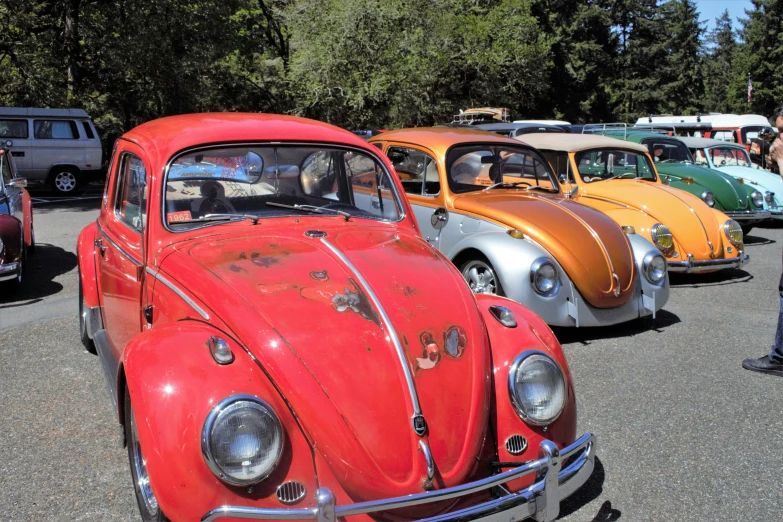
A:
<point x="663" y="319"/>
<point x="81" y="204"/>
<point x="47" y="263"/>
<point x="590" y="491"/>
<point x="752" y="240"/>
<point x="723" y="277"/>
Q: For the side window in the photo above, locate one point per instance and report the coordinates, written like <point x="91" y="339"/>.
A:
<point x="55" y="130"/>
<point x="130" y="206"/>
<point x="418" y="170"/>
<point x="13" y="129"/>
<point x="725" y="136"/>
<point x="369" y="186"/>
<point x="88" y="130"/>
<point x="559" y="163"/>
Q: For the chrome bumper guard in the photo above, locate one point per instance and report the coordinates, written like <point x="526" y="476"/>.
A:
<point x="9" y="271"/>
<point x="541" y="500"/>
<point x="691" y="266"/>
<point x="749" y="215"/>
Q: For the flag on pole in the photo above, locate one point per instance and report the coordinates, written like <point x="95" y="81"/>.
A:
<point x="750" y="89"/>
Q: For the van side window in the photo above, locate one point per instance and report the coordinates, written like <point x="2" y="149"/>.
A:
<point x="55" y="130"/>
<point x="13" y="129"/>
<point x="130" y="205"/>
<point x="88" y="130"/>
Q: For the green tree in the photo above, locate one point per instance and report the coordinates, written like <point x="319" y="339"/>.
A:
<point x="718" y="57"/>
<point x="682" y="84"/>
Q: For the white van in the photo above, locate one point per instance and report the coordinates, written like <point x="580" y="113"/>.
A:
<point x="55" y="147"/>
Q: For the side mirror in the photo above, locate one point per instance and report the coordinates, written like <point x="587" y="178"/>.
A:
<point x="573" y="192"/>
<point x="18" y="183"/>
<point x="439" y="218"/>
<point x="8" y="144"/>
<point x="563" y="178"/>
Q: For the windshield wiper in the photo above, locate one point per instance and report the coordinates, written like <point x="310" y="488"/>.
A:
<point x="506" y="184"/>
<point x="538" y="187"/>
<point x="217" y="217"/>
<point x="622" y="175"/>
<point x="310" y="208"/>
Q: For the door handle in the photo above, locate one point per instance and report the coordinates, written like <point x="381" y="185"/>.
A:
<point x="99" y="244"/>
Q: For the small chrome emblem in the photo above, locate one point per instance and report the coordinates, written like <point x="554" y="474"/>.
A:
<point x="419" y="425"/>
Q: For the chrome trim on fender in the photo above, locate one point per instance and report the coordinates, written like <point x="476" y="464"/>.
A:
<point x="430" y="463"/>
<point x="691" y="266"/>
<point x="418" y="428"/>
<point x="8" y="271"/>
<point x="540" y="500"/>
<point x="174" y="288"/>
<point x="118" y="247"/>
<point x="671" y="192"/>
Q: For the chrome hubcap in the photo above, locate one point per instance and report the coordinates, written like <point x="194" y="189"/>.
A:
<point x="480" y="277"/>
<point x="140" y="467"/>
<point x="65" y="181"/>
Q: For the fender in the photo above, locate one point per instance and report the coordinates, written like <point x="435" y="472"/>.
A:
<point x="173" y="383"/>
<point x="85" y="250"/>
<point x="27" y="211"/>
<point x="531" y="333"/>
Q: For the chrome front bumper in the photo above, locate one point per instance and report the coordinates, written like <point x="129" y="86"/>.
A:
<point x="749" y="215"/>
<point x="540" y="501"/>
<point x="691" y="266"/>
<point x="9" y="271"/>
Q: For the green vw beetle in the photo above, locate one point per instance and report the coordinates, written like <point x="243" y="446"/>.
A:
<point x="677" y="168"/>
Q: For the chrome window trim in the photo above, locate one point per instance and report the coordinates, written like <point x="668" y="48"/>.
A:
<point x="174" y="288"/>
<point x="512" y="370"/>
<point x="387" y="326"/>
<point x="266" y="143"/>
<point x="118" y="247"/>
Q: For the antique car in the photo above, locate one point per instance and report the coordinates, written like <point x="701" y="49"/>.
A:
<point x="493" y="206"/>
<point x="619" y="178"/>
<point x="675" y="165"/>
<point x="518" y="128"/>
<point x="735" y="161"/>
<point x="17" y="236"/>
<point x="280" y="343"/>
<point x="734" y="128"/>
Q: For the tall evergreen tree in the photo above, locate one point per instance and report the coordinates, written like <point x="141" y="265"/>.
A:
<point x="718" y="57"/>
<point x="682" y="82"/>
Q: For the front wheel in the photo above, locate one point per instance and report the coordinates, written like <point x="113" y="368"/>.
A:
<point x="13" y="285"/>
<point x="481" y="277"/>
<point x="148" y="504"/>
<point x="746" y="229"/>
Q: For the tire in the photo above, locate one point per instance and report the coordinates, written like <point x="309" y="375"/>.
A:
<point x="31" y="248"/>
<point x="148" y="506"/>
<point x="746" y="229"/>
<point x="86" y="341"/>
<point x="66" y="182"/>
<point x="481" y="277"/>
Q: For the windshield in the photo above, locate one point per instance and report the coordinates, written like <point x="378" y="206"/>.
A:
<point x="599" y="165"/>
<point x="729" y="157"/>
<point x="477" y="167"/>
<point x="274" y="181"/>
<point x="668" y="151"/>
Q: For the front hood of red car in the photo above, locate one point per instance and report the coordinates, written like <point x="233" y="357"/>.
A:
<point x="313" y="326"/>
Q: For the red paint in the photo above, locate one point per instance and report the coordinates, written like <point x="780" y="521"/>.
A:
<point x="307" y="338"/>
<point x="85" y="250"/>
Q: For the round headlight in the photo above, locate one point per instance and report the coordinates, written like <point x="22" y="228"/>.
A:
<point x="662" y="237"/>
<point x="543" y="277"/>
<point x="654" y="268"/>
<point x="242" y="440"/>
<point x="708" y="198"/>
<point x="537" y="388"/>
<point x="733" y="231"/>
<point x="758" y="198"/>
<point x="769" y="197"/>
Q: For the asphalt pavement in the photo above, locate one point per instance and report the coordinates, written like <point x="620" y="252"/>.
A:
<point x="684" y="433"/>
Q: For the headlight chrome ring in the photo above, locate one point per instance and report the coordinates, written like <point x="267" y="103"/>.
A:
<point x="708" y="198"/>
<point x="662" y="237"/>
<point x="251" y="444"/>
<point x="544" y="277"/>
<point x="541" y="377"/>
<point x="733" y="232"/>
<point x="654" y="266"/>
<point x="758" y="198"/>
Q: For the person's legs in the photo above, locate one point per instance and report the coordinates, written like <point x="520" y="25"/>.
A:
<point x="772" y="363"/>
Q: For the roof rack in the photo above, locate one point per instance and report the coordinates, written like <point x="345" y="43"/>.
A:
<point x="482" y="115"/>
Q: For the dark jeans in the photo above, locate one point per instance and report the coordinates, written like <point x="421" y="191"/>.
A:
<point x="777" y="348"/>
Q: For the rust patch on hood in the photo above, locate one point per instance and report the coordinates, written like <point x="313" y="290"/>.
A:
<point x="430" y="354"/>
<point x="353" y="299"/>
<point x="323" y="275"/>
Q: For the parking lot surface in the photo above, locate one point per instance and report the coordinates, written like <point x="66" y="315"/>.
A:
<point x="684" y="433"/>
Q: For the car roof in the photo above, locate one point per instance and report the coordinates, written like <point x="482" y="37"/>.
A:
<point x="577" y="142"/>
<point x="441" y="139"/>
<point x="716" y="119"/>
<point x="42" y="112"/>
<point x="170" y="135"/>
<point x="494" y="127"/>
<point x="707" y="142"/>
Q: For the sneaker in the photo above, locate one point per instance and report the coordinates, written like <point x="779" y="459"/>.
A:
<point x="766" y="364"/>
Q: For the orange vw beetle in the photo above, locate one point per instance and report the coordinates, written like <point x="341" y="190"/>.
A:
<point x="619" y="178"/>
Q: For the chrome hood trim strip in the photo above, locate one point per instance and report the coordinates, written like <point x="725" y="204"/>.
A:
<point x="607" y="201"/>
<point x="704" y="229"/>
<point x="387" y="325"/>
<point x="174" y="288"/>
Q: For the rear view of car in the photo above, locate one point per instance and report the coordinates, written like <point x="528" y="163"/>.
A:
<point x="59" y="148"/>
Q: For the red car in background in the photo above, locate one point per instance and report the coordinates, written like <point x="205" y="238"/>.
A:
<point x="17" y="237"/>
<point x="281" y="343"/>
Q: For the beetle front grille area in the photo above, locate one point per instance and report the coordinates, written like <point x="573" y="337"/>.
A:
<point x="516" y="444"/>
<point x="291" y="492"/>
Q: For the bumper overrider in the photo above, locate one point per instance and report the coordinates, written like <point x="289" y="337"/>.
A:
<point x="9" y="271"/>
<point x="540" y="501"/>
<point x="690" y="265"/>
<point x="743" y="216"/>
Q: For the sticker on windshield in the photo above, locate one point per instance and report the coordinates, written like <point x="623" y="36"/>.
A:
<point x="173" y="217"/>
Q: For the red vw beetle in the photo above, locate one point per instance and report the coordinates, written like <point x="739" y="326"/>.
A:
<point x="281" y="343"/>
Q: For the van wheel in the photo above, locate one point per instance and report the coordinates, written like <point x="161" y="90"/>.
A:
<point x="65" y="182"/>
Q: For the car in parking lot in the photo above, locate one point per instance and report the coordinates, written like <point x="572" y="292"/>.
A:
<point x="281" y="343"/>
<point x="494" y="207"/>
<point x="17" y="236"/>
<point x="58" y="148"/>
<point x="620" y="179"/>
